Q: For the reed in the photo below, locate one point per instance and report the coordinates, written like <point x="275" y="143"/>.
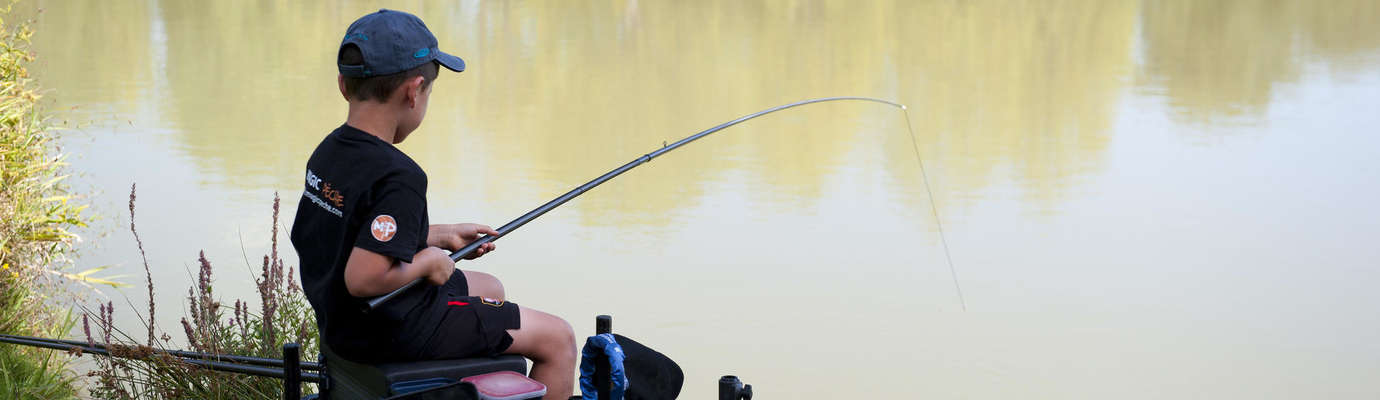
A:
<point x="139" y="370"/>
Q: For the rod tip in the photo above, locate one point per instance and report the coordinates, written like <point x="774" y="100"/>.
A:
<point x="903" y="106"/>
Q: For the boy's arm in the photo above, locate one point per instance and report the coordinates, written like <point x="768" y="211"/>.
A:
<point x="369" y="274"/>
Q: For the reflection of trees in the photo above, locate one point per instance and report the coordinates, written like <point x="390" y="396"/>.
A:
<point x="558" y="92"/>
<point x="1343" y="32"/>
<point x="585" y="89"/>
<point x="1218" y="58"/>
<point x="251" y="85"/>
<point x="1026" y="88"/>
<point x="1225" y="58"/>
<point x="89" y="53"/>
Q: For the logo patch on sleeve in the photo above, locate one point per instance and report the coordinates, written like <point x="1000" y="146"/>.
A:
<point x="383" y="228"/>
<point x="491" y="302"/>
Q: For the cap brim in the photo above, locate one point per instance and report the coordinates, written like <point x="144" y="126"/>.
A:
<point x="452" y="63"/>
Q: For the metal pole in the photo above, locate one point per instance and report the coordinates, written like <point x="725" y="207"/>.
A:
<point x="729" y="386"/>
<point x="292" y="374"/>
<point x="602" y="382"/>
<point x="531" y="215"/>
<point x="603" y="324"/>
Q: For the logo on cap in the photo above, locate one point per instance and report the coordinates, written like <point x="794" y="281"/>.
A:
<point x="383" y="228"/>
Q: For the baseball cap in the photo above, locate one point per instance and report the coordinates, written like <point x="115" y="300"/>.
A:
<point x="392" y="42"/>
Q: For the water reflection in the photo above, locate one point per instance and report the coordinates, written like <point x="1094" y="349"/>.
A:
<point x="1220" y="60"/>
<point x="250" y="85"/>
<point x="115" y="36"/>
<point x="570" y="97"/>
<point x="1053" y="108"/>
<point x="1025" y="88"/>
<point x="560" y="91"/>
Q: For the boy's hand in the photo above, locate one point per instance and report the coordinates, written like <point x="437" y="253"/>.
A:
<point x="440" y="263"/>
<point x="453" y="237"/>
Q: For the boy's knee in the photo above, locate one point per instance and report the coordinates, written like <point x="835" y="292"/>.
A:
<point x="485" y="285"/>
<point x="496" y="287"/>
<point x="545" y="338"/>
<point x="562" y="341"/>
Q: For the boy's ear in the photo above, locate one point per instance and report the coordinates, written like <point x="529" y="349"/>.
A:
<point x="413" y="90"/>
<point x="340" y="81"/>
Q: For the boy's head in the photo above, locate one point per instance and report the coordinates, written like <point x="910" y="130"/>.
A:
<point x="390" y="58"/>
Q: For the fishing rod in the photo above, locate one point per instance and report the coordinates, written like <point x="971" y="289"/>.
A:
<point x="531" y="215"/>
<point x="281" y="372"/>
<point x="237" y="359"/>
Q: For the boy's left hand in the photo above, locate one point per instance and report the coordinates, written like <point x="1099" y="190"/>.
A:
<point x="453" y="237"/>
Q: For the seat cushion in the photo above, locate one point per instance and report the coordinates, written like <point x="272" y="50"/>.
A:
<point x="349" y="379"/>
<point x="450" y="369"/>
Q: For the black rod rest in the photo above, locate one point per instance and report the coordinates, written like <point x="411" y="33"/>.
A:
<point x="602" y="383"/>
<point x="292" y="373"/>
<point x="732" y="388"/>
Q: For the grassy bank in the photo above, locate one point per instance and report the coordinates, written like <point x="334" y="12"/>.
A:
<point x="35" y="218"/>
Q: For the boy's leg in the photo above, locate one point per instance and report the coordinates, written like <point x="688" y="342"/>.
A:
<point x="550" y="343"/>
<point x="484" y="285"/>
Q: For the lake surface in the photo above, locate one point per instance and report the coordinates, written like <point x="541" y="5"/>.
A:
<point x="1160" y="199"/>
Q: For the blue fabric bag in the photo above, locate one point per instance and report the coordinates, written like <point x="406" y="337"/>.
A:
<point x="602" y="345"/>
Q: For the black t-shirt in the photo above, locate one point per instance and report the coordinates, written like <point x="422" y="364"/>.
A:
<point x="360" y="192"/>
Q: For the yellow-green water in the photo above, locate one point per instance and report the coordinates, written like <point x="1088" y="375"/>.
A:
<point x="1159" y="199"/>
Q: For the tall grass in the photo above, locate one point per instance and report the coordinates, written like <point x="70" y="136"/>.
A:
<point x="140" y="370"/>
<point x="36" y="213"/>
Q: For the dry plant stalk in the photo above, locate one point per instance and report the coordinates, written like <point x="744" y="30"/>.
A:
<point x="147" y="273"/>
<point x="136" y="370"/>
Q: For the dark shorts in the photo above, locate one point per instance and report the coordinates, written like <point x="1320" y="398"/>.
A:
<point x="458" y="325"/>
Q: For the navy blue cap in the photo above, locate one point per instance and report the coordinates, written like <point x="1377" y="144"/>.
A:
<point x="393" y="42"/>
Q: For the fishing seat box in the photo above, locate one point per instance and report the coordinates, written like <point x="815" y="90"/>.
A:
<point x="351" y="380"/>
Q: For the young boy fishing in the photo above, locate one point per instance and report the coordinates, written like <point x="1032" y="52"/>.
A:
<point x="362" y="231"/>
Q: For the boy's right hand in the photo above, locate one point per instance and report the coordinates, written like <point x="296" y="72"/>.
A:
<point x="440" y="264"/>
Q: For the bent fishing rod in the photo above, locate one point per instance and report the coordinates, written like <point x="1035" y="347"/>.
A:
<point x="573" y="193"/>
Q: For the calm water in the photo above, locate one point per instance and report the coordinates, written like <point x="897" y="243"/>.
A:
<point x="1167" y="199"/>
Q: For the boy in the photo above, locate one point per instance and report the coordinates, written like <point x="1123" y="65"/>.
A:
<point x="362" y="231"/>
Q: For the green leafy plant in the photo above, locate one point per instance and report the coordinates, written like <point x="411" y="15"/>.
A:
<point x="36" y="215"/>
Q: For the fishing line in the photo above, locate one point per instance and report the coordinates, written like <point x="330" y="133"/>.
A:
<point x="665" y="148"/>
<point x="934" y="209"/>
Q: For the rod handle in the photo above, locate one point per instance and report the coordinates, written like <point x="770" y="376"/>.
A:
<point x="374" y="303"/>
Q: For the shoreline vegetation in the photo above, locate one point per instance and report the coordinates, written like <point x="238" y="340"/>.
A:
<point x="142" y="368"/>
<point x="38" y="214"/>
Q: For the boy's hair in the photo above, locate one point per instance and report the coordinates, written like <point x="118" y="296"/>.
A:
<point x="380" y="87"/>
